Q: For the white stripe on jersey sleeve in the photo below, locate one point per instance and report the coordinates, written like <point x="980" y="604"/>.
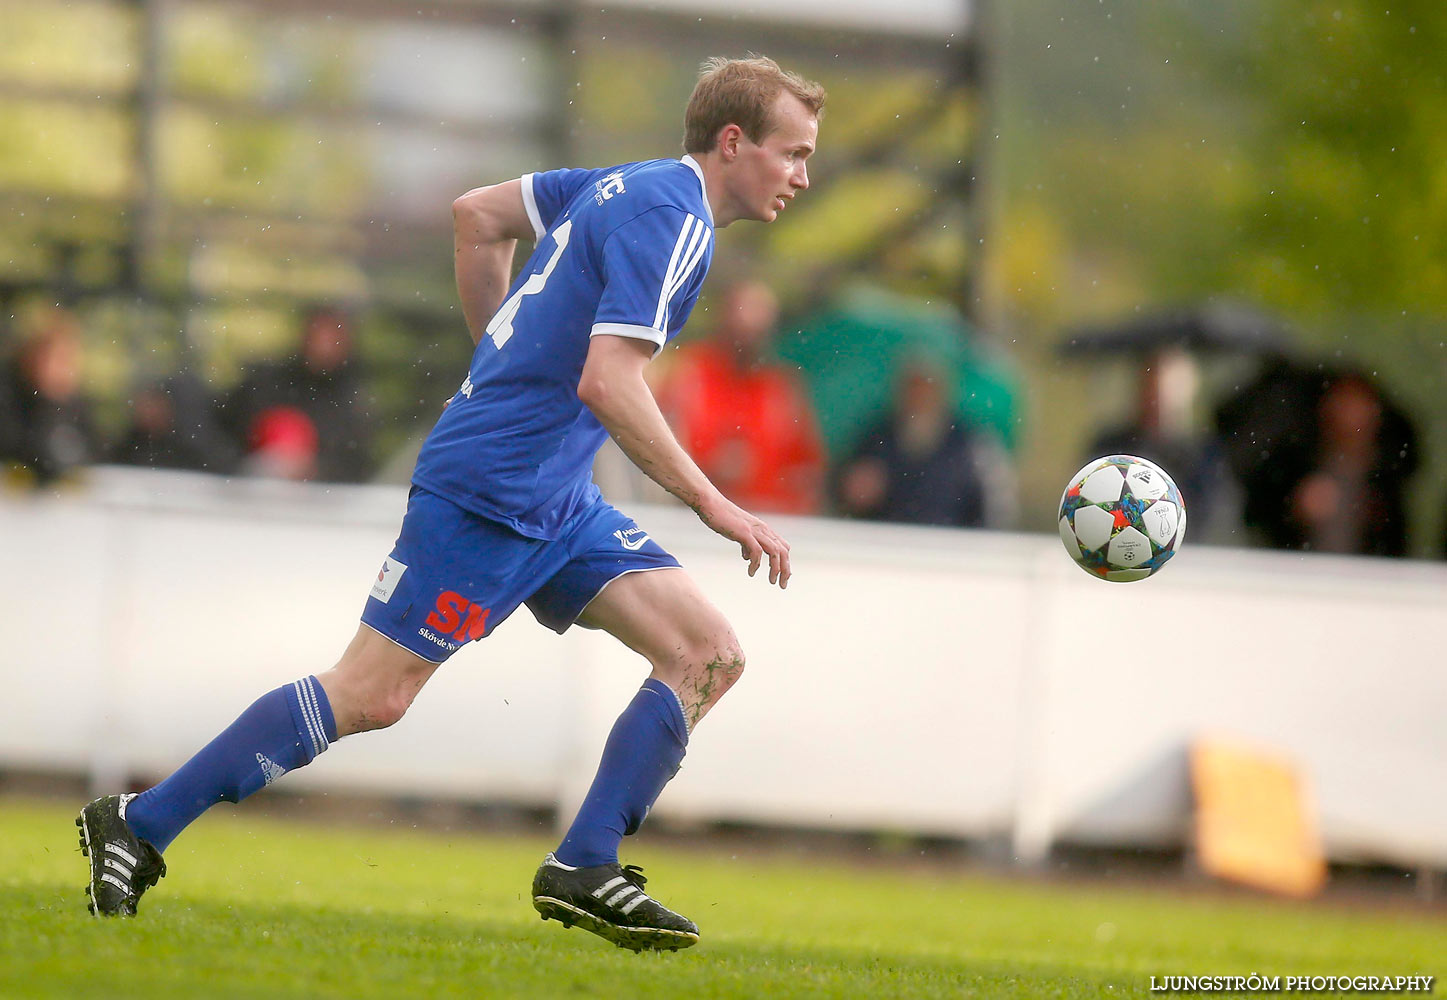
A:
<point x="629" y="330"/>
<point x="530" y="202"/>
<point x="695" y="254"/>
<point x="668" y="275"/>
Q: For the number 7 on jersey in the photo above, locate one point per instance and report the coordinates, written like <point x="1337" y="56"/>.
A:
<point x="500" y="326"/>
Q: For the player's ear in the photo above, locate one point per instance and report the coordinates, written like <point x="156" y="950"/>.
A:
<point x="728" y="141"/>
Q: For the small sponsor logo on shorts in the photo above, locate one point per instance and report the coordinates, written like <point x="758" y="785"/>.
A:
<point x="455" y="615"/>
<point x="631" y="539"/>
<point x="387" y="579"/>
<point x="433" y="637"/>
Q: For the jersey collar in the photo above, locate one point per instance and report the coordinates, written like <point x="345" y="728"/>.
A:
<point x="693" y="165"/>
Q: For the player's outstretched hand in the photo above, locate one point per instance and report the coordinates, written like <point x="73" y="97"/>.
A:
<point x="756" y="539"/>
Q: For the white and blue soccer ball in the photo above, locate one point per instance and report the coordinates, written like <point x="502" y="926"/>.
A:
<point x="1122" y="518"/>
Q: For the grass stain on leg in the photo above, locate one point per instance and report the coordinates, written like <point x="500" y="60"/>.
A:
<point x="704" y="692"/>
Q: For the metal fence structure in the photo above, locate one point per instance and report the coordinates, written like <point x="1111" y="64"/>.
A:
<point x="189" y="174"/>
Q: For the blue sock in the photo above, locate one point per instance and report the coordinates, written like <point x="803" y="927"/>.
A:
<point x="642" y="753"/>
<point x="282" y="731"/>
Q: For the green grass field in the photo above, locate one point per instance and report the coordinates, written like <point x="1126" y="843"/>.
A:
<point x="255" y="907"/>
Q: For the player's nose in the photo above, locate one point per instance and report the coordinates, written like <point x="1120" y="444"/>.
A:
<point x="800" y="179"/>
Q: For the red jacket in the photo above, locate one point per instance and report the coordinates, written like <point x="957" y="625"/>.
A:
<point x="751" y="430"/>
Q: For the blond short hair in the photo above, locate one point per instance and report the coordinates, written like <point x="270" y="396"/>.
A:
<point x="741" y="92"/>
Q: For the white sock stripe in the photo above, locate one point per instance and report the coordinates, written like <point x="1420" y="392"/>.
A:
<point x="622" y="893"/>
<point x="315" y="700"/>
<point x="607" y="886"/>
<point x="108" y="877"/>
<point x="316" y="712"/>
<point x="311" y="712"/>
<point x="633" y="904"/>
<point x="306" y="718"/>
<point x="113" y="863"/>
<point x="122" y="853"/>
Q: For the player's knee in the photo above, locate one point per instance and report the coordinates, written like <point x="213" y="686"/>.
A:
<point x="366" y="694"/>
<point x="716" y="665"/>
<point x="731" y="653"/>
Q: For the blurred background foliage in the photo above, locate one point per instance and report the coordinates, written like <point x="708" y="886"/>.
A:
<point x="192" y="173"/>
<point x="1288" y="154"/>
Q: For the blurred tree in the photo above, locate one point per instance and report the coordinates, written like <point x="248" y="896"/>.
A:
<point x="1288" y="154"/>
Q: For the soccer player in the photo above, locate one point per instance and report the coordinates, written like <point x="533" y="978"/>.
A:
<point x="503" y="510"/>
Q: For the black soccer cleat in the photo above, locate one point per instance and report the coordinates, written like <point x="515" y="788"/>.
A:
<point x="122" y="866"/>
<point x="609" y="901"/>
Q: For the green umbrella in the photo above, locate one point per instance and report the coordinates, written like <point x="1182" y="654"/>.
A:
<point x="851" y="354"/>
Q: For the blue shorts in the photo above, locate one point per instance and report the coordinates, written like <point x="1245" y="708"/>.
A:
<point x="454" y="576"/>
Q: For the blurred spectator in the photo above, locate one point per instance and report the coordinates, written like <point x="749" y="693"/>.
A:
<point x="919" y="464"/>
<point x="1267" y="429"/>
<point x="1350" y="498"/>
<point x="47" y="431"/>
<point x="1324" y="460"/>
<point x="283" y="444"/>
<point x="742" y="415"/>
<point x="173" y="426"/>
<point x="322" y="383"/>
<point x="1161" y="431"/>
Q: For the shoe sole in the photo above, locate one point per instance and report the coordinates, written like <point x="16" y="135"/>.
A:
<point x="632" y="938"/>
<point x="85" y="852"/>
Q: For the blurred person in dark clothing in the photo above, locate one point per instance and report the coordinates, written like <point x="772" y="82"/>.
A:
<point x="1351" y="497"/>
<point x="174" y="426"/>
<point x="323" y="382"/>
<point x="744" y="417"/>
<point x="1323" y="458"/>
<point x="1161" y="431"/>
<point x="47" y="432"/>
<point x="919" y="464"/>
<point x="1268" y="430"/>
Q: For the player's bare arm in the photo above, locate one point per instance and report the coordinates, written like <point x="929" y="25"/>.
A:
<point x="613" y="387"/>
<point x="487" y="222"/>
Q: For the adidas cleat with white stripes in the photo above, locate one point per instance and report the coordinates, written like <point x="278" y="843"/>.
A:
<point x="609" y="901"/>
<point x="122" y="866"/>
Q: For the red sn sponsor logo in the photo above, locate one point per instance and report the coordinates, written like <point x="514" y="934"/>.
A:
<point x="458" y="616"/>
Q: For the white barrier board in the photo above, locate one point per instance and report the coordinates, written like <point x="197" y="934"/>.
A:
<point x="919" y="680"/>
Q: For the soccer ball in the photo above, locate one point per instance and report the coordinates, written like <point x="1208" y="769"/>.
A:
<point x="1122" y="518"/>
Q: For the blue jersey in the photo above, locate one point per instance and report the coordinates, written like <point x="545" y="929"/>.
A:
<point x="620" y="251"/>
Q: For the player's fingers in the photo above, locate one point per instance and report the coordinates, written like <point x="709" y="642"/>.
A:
<point x="776" y="538"/>
<point x="778" y="551"/>
<point x="754" y="553"/>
